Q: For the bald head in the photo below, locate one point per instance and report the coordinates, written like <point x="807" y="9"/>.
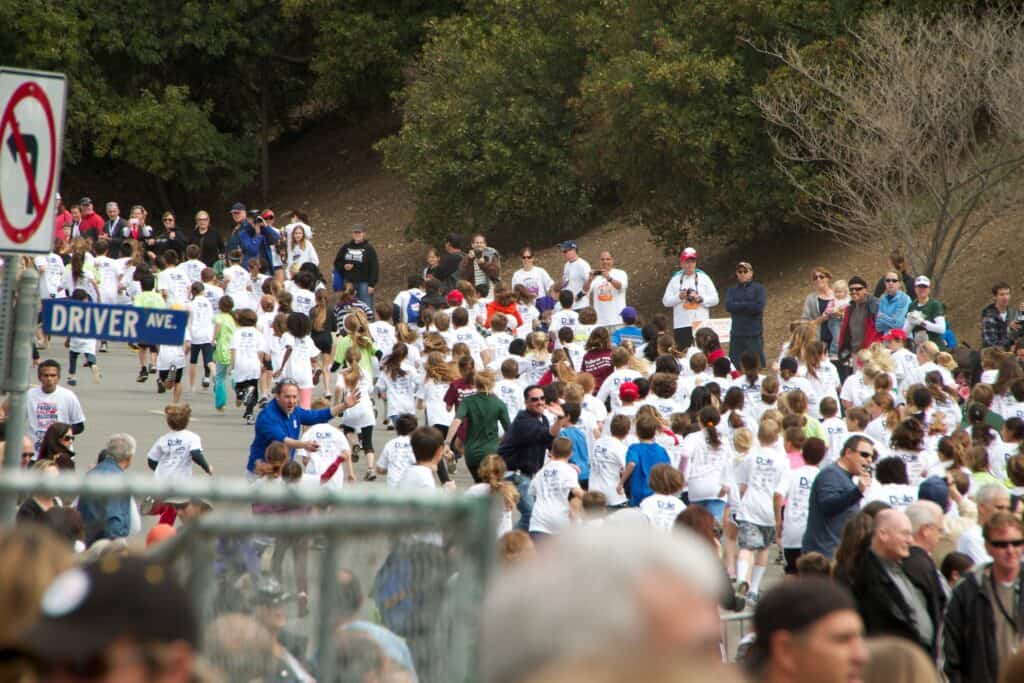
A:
<point x="892" y="536"/>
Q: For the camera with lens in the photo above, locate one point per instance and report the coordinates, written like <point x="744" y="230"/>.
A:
<point x="478" y="252"/>
<point x="691" y="296"/>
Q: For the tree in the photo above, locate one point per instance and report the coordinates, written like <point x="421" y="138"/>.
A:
<point x="913" y="141"/>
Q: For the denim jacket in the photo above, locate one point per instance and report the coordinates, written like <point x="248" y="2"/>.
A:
<point x="110" y="518"/>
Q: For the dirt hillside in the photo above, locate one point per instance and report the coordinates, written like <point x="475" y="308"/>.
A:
<point x="333" y="174"/>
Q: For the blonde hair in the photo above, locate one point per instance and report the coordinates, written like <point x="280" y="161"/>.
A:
<point x="840" y="285"/>
<point x="358" y="327"/>
<point x="742" y="440"/>
<point x="895" y="660"/>
<point x="491" y="471"/>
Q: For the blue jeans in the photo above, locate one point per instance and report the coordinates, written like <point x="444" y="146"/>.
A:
<point x="525" y="504"/>
<point x="835" y="325"/>
<point x="713" y="505"/>
<point x="362" y="288"/>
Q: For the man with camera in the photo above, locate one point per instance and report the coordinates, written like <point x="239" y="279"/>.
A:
<point x="691" y="295"/>
<point x="607" y="285"/>
<point x="481" y="266"/>
<point x="999" y="328"/>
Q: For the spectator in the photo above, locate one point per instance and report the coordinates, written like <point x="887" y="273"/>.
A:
<point x="892" y="305"/>
<point x="531" y="276"/>
<point x="926" y="314"/>
<point x="211" y="246"/>
<point x="525" y="445"/>
<point x="808" y="631"/>
<point x="819" y="308"/>
<point x="356" y="262"/>
<point x="607" y="287"/>
<point x="446" y="271"/>
<point x="62" y="221"/>
<point x="745" y="302"/>
<point x="857" y="330"/>
<point x="481" y="266"/>
<point x="892" y="599"/>
<point x="171" y="237"/>
<point x="836" y="494"/>
<point x="244" y="236"/>
<point x="110" y="518"/>
<point x="92" y="224"/>
<point x="115" y="226"/>
<point x="30" y="557"/>
<point x="690" y="294"/>
<point x="646" y="592"/>
<point x="991" y="499"/>
<point x="998" y="330"/>
<point x="982" y="626"/>
<point x="575" y="274"/>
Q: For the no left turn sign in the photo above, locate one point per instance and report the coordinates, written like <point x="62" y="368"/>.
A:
<point x="31" y="139"/>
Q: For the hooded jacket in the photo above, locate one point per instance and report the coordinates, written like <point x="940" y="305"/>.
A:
<point x="363" y="257"/>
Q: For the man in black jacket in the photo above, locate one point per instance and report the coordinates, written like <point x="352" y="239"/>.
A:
<point x="983" y="624"/>
<point x="356" y="262"/>
<point x="745" y="302"/>
<point x="926" y="522"/>
<point x="890" y="599"/>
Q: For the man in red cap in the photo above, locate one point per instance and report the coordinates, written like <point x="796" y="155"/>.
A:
<point x="691" y="295"/>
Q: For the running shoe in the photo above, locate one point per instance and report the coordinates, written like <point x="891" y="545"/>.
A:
<point x="250" y="420"/>
<point x="152" y="369"/>
<point x="72" y="382"/>
<point x="752" y="598"/>
<point x="96" y="374"/>
<point x="143" y="374"/>
<point x="370" y="475"/>
<point x="160" y="387"/>
<point x="103" y="347"/>
<point x="206" y="383"/>
<point x="262" y="403"/>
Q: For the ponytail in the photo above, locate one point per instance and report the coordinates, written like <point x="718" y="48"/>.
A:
<point x="709" y="419"/>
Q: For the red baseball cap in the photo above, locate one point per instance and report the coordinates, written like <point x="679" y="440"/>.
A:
<point x="895" y="333"/>
<point x="629" y="391"/>
<point x="455" y="298"/>
<point x="267" y="215"/>
<point x="688" y="254"/>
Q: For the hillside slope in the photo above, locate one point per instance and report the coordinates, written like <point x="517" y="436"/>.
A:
<point x="333" y="174"/>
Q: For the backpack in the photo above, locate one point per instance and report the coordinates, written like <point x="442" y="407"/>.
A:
<point x="412" y="307"/>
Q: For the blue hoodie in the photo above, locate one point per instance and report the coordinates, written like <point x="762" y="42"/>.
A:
<point x="892" y="312"/>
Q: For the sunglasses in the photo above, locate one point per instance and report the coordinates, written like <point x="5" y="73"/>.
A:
<point x="866" y="454"/>
<point x="922" y="286"/>
<point x="819" y="276"/>
<point x="891" y="279"/>
<point x="28" y="454"/>
<point x="528" y="257"/>
<point x="535" y="399"/>
<point x="856" y="288"/>
<point x="68" y="437"/>
<point x="1016" y="543"/>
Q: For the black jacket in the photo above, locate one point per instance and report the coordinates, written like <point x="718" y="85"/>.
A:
<point x="968" y="642"/>
<point x="526" y="443"/>
<point x="745" y="302"/>
<point x="882" y="607"/>
<point x="363" y="257"/>
<point x="211" y="246"/>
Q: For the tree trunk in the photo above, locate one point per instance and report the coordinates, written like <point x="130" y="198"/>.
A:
<point x="264" y="138"/>
<point x="161" y="193"/>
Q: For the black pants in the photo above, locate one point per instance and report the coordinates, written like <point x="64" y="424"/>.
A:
<point x="683" y="337"/>
<point x="740" y="345"/>
<point x="253" y="396"/>
<point x="791" y="555"/>
<point x="365" y="437"/>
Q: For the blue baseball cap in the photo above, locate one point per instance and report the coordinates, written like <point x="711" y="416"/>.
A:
<point x="628" y="314"/>
<point x="570" y="244"/>
<point x="238" y="206"/>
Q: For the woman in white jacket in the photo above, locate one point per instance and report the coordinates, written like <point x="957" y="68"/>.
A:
<point x="690" y="294"/>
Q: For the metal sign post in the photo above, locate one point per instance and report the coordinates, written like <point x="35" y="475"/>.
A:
<point x="20" y="373"/>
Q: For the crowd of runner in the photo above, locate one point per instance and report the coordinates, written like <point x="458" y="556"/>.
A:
<point x="873" y="455"/>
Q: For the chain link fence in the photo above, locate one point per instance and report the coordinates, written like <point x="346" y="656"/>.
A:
<point x="301" y="583"/>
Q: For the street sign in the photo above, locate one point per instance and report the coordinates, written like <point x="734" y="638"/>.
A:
<point x="31" y="139"/>
<point x="73" y="318"/>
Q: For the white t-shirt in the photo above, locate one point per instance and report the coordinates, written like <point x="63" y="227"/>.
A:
<point x="384" y="337"/>
<point x="536" y="280"/>
<point x="176" y="283"/>
<point x="437" y="412"/>
<point x="172" y="454"/>
<point x="299" y="367"/>
<point x="200" y="320"/>
<point x="333" y="444"/>
<point x="304" y="253"/>
<point x="897" y="496"/>
<point x="470" y="337"/>
<point x="248" y="344"/>
<point x="505" y="520"/>
<point x="213" y="293"/>
<point x="497" y="344"/>
<point x="972" y="544"/>
<point x="574" y="275"/>
<point x="835" y="427"/>
<point x="661" y="510"/>
<point x="303" y="300"/>
<point x="109" y="273"/>
<point x="565" y="317"/>
<point x="168" y="357"/>
<point x="607" y="460"/>
<point x="856" y="390"/>
<point x="51" y="269"/>
<point x="510" y="392"/>
<point x="798" y="496"/>
<point x="610" y="387"/>
<point x="608" y="302"/>
<point x="918" y="463"/>
<point x="396" y="458"/>
<point x="529" y="314"/>
<point x="193" y="270"/>
<point x="82" y="345"/>
<point x="417" y="477"/>
<point x="401" y="391"/>
<point x="237" y="284"/>
<point x="765" y="473"/>
<point x="1011" y="407"/>
<point x="361" y="414"/>
<point x="44" y="409"/>
<point x="551" y="487"/>
<point x="707" y="469"/>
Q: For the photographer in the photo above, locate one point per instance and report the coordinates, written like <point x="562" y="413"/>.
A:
<point x="999" y="326"/>
<point x="607" y="286"/>
<point x="690" y="294"/>
<point x="481" y="266"/>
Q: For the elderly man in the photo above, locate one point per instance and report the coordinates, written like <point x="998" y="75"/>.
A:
<point x="892" y="305"/>
<point x="808" y="631"/>
<point x="645" y="592"/>
<point x="282" y="420"/>
<point x="836" y="494"/>
<point x="114" y="226"/>
<point x="983" y="622"/>
<point x="690" y="294"/>
<point x="745" y="302"/>
<point x="607" y="289"/>
<point x="891" y="599"/>
<point x="110" y="517"/>
<point x="991" y="498"/>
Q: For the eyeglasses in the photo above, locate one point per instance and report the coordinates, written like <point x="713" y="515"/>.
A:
<point x="527" y="257"/>
<point x="68" y="437"/>
<point x="866" y="454"/>
<point x="856" y="288"/>
<point x="535" y="399"/>
<point x="820" y="276"/>
<point x="891" y="279"/>
<point x="922" y="286"/>
<point x="1016" y="543"/>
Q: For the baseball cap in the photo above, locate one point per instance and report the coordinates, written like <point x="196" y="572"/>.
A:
<point x="85" y="200"/>
<point x="936" y="490"/>
<point x="857" y="280"/>
<point x="238" y="206"/>
<point x="688" y="254"/>
<point x="794" y="606"/>
<point x="744" y="265"/>
<point x="922" y="281"/>
<point x="87" y="607"/>
<point x="569" y="244"/>
<point x="267" y="215"/>
<point x="629" y="391"/>
<point x="358" y="227"/>
<point x="628" y="314"/>
<point x="895" y="333"/>
<point x="454" y="298"/>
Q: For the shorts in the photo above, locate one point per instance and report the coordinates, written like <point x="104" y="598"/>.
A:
<point x="166" y="375"/>
<point x="149" y="347"/>
<point x="754" y="536"/>
<point x="205" y="349"/>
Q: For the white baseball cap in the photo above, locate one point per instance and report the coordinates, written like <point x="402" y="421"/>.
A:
<point x="922" y="281"/>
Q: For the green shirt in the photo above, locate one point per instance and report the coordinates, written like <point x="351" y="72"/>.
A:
<point x="482" y="413"/>
<point x="365" y="361"/>
<point x="931" y="310"/>
<point x="149" y="300"/>
<point x="813" y="428"/>
<point x="225" y="331"/>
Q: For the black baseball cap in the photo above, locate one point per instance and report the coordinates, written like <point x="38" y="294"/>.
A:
<point x="238" y="206"/>
<point x="87" y="607"/>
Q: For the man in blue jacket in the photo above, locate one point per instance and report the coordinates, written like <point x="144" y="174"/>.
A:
<point x="282" y="420"/>
<point x="111" y="517"/>
<point x="745" y="302"/>
<point x="836" y="494"/>
<point x="892" y="306"/>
